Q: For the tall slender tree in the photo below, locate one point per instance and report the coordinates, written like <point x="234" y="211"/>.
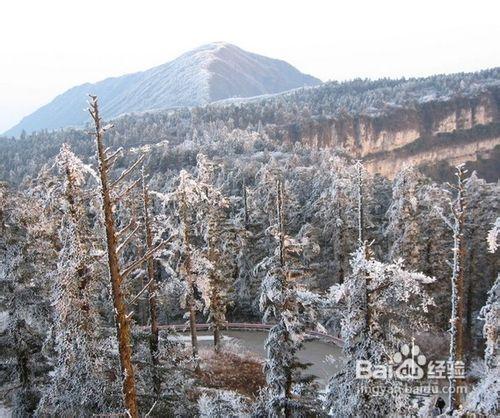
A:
<point x="457" y="318"/>
<point x="152" y="285"/>
<point x="220" y="233"/>
<point x="292" y="309"/>
<point x="117" y="273"/>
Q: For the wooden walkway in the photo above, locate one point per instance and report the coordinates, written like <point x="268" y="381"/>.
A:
<point x="248" y="326"/>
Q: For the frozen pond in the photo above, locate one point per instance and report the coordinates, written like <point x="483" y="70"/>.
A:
<point x="326" y="358"/>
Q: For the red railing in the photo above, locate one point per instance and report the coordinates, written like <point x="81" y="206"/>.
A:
<point x="248" y="326"/>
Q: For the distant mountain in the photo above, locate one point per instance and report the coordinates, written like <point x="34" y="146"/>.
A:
<point x="212" y="72"/>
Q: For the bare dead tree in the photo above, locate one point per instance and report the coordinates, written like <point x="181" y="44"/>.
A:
<point x="117" y="273"/>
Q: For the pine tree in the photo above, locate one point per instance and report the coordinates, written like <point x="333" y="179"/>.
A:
<point x="182" y="221"/>
<point x="78" y="386"/>
<point x="293" y="308"/>
<point x="404" y="229"/>
<point x="221" y="235"/>
<point x="381" y="301"/>
<point x="485" y="397"/>
<point x="29" y="247"/>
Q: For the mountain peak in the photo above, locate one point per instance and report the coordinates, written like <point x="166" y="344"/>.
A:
<point x="211" y="72"/>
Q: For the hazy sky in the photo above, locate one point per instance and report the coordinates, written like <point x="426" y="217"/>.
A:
<point x="48" y="46"/>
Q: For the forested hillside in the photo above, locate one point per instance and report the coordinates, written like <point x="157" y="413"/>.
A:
<point x="227" y="224"/>
<point x="387" y="123"/>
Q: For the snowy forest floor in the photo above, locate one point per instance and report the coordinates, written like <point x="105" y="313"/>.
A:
<point x="241" y="371"/>
<point x="324" y="358"/>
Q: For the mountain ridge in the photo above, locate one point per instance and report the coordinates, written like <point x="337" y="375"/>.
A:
<point x="209" y="73"/>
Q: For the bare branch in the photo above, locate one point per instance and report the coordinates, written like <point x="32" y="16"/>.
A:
<point x="126" y="241"/>
<point x="125" y="228"/>
<point x="112" y="155"/>
<point x="132" y="302"/>
<point x="128" y="269"/>
<point x="108" y="127"/>
<point x="127" y="171"/>
<point x="127" y="191"/>
<point x="151" y="410"/>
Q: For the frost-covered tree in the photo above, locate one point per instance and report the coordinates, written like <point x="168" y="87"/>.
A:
<point x="492" y="238"/>
<point x="28" y="254"/>
<point x="152" y="284"/>
<point x="292" y="308"/>
<point x="332" y="211"/>
<point x="457" y="317"/>
<point x="221" y="236"/>
<point x="405" y="229"/>
<point x="182" y="221"/>
<point x="381" y="301"/>
<point x="78" y="384"/>
<point x="416" y="233"/>
<point x="485" y="397"/>
<point x="221" y="404"/>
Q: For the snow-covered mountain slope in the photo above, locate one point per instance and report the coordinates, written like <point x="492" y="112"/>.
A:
<point x="212" y="72"/>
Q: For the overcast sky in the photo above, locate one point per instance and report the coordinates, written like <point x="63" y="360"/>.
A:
<point x="48" y="46"/>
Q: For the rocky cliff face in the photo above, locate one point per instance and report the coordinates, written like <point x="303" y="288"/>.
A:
<point x="457" y="130"/>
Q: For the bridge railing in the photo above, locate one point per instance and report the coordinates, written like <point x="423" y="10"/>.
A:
<point x="246" y="326"/>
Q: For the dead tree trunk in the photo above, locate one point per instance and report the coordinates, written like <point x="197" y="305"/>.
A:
<point x="122" y="319"/>
<point x="457" y="342"/>
<point x="152" y="286"/>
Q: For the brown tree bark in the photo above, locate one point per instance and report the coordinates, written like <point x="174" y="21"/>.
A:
<point x="122" y="319"/>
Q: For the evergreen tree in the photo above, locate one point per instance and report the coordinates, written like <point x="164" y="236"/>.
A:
<point x="293" y="308"/>
<point x="78" y="384"/>
<point x="29" y="247"/>
<point x="381" y="301"/>
<point x="485" y="397"/>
